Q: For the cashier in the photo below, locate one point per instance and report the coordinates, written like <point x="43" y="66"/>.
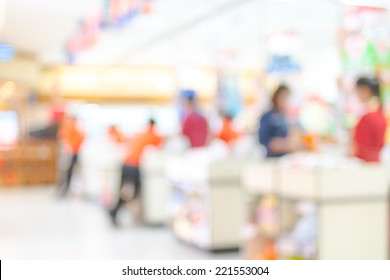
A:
<point x="274" y="132"/>
<point x="131" y="175"/>
<point x="72" y="137"/>
<point x="369" y="133"/>
<point x="228" y="133"/>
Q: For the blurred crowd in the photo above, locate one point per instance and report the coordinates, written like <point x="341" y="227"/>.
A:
<point x="277" y="135"/>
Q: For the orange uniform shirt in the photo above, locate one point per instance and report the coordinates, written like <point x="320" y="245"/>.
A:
<point x="138" y="145"/>
<point x="72" y="136"/>
<point x="227" y="133"/>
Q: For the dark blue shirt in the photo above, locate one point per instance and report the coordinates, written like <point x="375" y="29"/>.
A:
<point x="272" y="124"/>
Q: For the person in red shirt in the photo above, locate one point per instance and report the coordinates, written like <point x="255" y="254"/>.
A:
<point x="228" y="133"/>
<point x="130" y="168"/>
<point x="195" y="126"/>
<point x="369" y="134"/>
<point x="72" y="138"/>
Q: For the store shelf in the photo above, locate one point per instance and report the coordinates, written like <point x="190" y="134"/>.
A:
<point x="29" y="164"/>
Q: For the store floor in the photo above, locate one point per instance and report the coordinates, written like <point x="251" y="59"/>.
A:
<point x="36" y="225"/>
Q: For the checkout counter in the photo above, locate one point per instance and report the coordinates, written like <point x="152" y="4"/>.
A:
<point x="316" y="207"/>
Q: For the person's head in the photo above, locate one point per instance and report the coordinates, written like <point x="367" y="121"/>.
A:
<point x="280" y="98"/>
<point x="190" y="103"/>
<point x="112" y="127"/>
<point x="227" y="117"/>
<point x="152" y="122"/>
<point x="367" y="89"/>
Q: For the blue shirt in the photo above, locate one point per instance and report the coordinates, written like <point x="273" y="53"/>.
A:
<point x="272" y="124"/>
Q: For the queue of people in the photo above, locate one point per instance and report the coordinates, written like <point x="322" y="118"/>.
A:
<point x="276" y="134"/>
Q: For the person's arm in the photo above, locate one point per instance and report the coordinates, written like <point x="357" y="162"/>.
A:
<point x="351" y="143"/>
<point x="264" y="131"/>
<point x="280" y="145"/>
<point x="186" y="126"/>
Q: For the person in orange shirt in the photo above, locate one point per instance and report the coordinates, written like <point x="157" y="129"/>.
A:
<point x="130" y="169"/>
<point x="115" y="134"/>
<point x="228" y="133"/>
<point x="72" y="138"/>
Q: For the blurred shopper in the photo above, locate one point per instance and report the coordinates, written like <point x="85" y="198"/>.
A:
<point x="195" y="126"/>
<point x="228" y="133"/>
<point x="184" y="95"/>
<point x="50" y="131"/>
<point x="274" y="133"/>
<point x="131" y="177"/>
<point x="369" y="134"/>
<point x="72" y="138"/>
<point x="115" y="134"/>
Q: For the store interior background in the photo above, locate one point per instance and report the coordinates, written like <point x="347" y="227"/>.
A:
<point x="55" y="56"/>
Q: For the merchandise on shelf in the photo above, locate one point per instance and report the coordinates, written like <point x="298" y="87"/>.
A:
<point x="32" y="163"/>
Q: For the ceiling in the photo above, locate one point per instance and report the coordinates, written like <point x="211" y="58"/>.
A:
<point x="175" y="32"/>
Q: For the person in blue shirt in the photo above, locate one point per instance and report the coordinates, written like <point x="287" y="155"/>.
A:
<point x="274" y="127"/>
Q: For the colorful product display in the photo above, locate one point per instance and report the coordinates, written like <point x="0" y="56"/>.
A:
<point x="365" y="50"/>
<point x="191" y="221"/>
<point x="28" y="164"/>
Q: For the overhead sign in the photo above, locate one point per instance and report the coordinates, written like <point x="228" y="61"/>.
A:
<point x="110" y="82"/>
<point x="116" y="14"/>
<point x="7" y="52"/>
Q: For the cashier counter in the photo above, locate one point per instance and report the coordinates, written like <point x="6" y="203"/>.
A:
<point x="202" y="195"/>
<point x="351" y="200"/>
<point x="207" y="195"/>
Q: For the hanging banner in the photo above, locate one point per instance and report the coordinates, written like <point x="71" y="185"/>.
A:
<point x="115" y="14"/>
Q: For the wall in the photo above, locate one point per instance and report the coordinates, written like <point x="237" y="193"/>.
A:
<point x="24" y="72"/>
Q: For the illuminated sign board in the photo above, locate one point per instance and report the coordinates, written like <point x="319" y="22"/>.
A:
<point x="7" y="52"/>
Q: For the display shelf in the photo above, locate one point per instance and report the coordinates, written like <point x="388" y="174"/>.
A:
<point x="259" y="179"/>
<point x="28" y="164"/>
<point x="323" y="211"/>
<point x="208" y="209"/>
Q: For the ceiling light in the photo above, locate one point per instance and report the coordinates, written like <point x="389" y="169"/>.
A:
<point x="7" y="90"/>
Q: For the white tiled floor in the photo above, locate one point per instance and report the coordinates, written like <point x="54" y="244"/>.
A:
<point x="36" y="225"/>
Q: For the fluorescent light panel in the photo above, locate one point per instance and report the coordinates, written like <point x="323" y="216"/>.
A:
<point x="367" y="3"/>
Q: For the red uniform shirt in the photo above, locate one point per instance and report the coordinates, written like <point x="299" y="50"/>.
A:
<point x="370" y="136"/>
<point x="195" y="128"/>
